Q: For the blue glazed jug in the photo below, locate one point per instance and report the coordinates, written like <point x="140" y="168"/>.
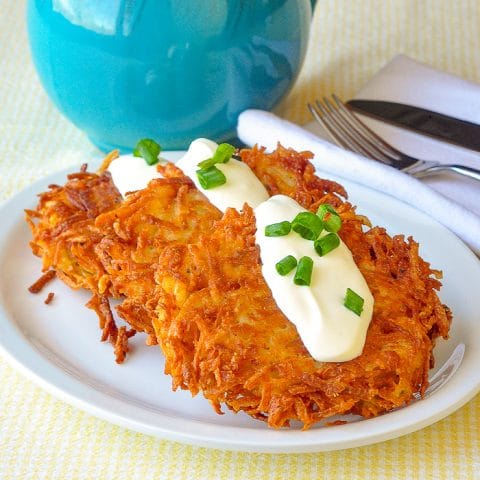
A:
<point x="171" y="70"/>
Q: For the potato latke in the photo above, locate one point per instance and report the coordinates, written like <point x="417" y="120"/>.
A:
<point x="191" y="279"/>
<point x="95" y="240"/>
<point x="223" y="335"/>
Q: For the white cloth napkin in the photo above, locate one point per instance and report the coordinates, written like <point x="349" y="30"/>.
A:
<point x="452" y="200"/>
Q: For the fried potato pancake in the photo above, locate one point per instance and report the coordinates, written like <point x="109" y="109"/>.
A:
<point x="93" y="239"/>
<point x="223" y="335"/>
<point x="63" y="230"/>
<point x="65" y="237"/>
<point x="168" y="211"/>
<point x="192" y="280"/>
<point x="291" y="173"/>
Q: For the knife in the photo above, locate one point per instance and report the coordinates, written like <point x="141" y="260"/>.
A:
<point x="433" y="124"/>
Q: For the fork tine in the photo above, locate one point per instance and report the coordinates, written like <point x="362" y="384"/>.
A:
<point x="369" y="135"/>
<point x="346" y="136"/>
<point x="327" y="125"/>
<point x="350" y="126"/>
<point x="339" y="130"/>
<point x="344" y="128"/>
<point x="341" y="136"/>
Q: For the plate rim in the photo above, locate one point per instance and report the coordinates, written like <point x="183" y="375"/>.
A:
<point x="53" y="379"/>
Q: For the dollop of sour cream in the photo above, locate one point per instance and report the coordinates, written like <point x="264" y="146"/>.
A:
<point x="131" y="173"/>
<point x="329" y="331"/>
<point x="241" y="186"/>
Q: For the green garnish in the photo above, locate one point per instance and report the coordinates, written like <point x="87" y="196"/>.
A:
<point x="148" y="149"/>
<point x="303" y="274"/>
<point x="307" y="225"/>
<point x="210" y="177"/>
<point x="222" y="154"/>
<point x="278" y="229"/>
<point x="326" y="244"/>
<point x="286" y="265"/>
<point x="209" y="162"/>
<point x="330" y="218"/>
<point x="353" y="301"/>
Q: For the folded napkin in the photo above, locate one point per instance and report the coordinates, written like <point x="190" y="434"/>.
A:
<point x="452" y="200"/>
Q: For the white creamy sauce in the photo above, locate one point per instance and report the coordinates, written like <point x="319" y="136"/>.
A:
<point x="131" y="173"/>
<point x="242" y="185"/>
<point x="329" y="331"/>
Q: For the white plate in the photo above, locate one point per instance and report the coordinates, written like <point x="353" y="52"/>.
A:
<point x="58" y="346"/>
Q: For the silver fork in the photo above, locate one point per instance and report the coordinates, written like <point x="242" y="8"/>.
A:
<point x="350" y="133"/>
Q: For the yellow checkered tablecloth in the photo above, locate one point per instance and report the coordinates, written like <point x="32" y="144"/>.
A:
<point x="43" y="438"/>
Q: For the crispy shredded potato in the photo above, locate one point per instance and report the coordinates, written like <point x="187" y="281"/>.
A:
<point x="168" y="211"/>
<point x="38" y="285"/>
<point x="49" y="298"/>
<point x="191" y="279"/>
<point x="223" y="334"/>
<point x="63" y="229"/>
<point x="288" y="172"/>
<point x="92" y="239"/>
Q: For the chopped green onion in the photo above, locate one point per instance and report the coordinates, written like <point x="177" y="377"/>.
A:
<point x="278" y="229"/>
<point x="209" y="162"/>
<point x="303" y="274"/>
<point x="326" y="244"/>
<point x="286" y="265"/>
<point x="330" y="218"/>
<point x="307" y="225"/>
<point x="222" y="154"/>
<point x="210" y="177"/>
<point x="353" y="301"/>
<point x="148" y="149"/>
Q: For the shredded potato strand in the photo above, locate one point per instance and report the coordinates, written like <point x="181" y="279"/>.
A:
<point x="190" y="279"/>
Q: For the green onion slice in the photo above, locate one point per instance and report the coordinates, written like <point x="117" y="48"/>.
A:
<point x="326" y="244"/>
<point x="210" y="177"/>
<point x="222" y="154"/>
<point x="303" y="274"/>
<point x="353" y="301"/>
<point x="286" y="265"/>
<point x="307" y="225"/>
<point x="209" y="162"/>
<point x="148" y="149"/>
<point x="278" y="229"/>
<point x="330" y="218"/>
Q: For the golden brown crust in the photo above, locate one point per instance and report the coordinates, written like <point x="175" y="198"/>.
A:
<point x="63" y="232"/>
<point x="291" y="173"/>
<point x="196" y="275"/>
<point x="168" y="211"/>
<point x="223" y="335"/>
<point x="93" y="239"/>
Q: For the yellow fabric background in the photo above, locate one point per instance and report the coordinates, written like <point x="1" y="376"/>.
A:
<point x="43" y="438"/>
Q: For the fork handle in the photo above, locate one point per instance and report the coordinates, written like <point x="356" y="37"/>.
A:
<point x="438" y="168"/>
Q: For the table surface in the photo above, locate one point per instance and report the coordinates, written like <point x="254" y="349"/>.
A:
<point x="42" y="437"/>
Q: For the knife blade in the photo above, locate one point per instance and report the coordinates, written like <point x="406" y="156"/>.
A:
<point x="420" y="120"/>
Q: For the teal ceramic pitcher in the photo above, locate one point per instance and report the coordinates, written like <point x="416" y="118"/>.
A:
<point x="171" y="70"/>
